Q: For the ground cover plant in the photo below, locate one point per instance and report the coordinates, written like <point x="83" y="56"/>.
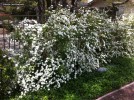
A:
<point x="67" y="46"/>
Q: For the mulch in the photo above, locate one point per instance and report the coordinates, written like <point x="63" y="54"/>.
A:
<point x="124" y="93"/>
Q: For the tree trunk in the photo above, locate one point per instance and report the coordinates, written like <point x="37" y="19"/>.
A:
<point x="40" y="11"/>
<point x="48" y="3"/>
<point x="64" y="3"/>
<point x="55" y="3"/>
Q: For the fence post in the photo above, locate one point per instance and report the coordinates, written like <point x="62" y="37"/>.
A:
<point x="3" y="36"/>
<point x="1" y="83"/>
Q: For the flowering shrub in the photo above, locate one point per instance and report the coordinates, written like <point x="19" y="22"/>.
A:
<point x="67" y="45"/>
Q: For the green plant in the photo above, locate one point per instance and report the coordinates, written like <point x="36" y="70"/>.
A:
<point x="8" y="77"/>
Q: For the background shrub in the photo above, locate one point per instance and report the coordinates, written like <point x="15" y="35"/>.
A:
<point x="8" y="78"/>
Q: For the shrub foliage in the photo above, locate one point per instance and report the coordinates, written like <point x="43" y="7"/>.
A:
<point x="8" y="78"/>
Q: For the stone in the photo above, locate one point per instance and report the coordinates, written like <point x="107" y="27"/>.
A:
<point x="102" y="69"/>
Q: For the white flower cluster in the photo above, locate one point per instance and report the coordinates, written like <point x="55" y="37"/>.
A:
<point x="67" y="45"/>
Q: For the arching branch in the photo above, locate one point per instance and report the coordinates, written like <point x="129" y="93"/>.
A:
<point x="90" y="4"/>
<point x="119" y="3"/>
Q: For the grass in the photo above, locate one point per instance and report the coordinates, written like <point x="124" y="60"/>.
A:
<point x="90" y="86"/>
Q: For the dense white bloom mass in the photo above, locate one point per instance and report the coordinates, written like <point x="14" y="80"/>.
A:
<point x="67" y="45"/>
